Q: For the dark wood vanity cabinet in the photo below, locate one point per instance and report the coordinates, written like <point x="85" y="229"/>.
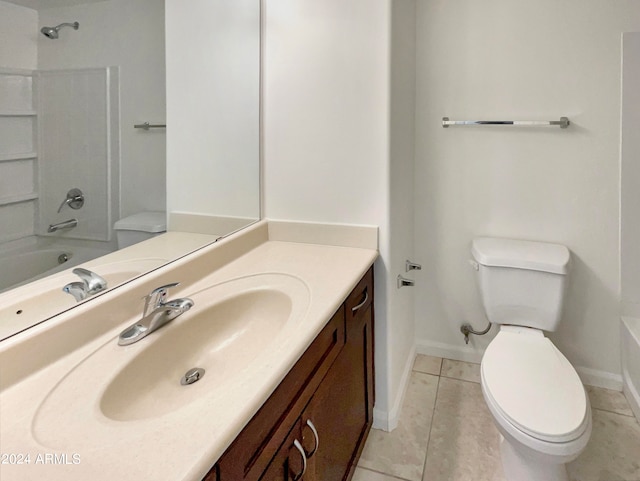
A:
<point x="318" y="418"/>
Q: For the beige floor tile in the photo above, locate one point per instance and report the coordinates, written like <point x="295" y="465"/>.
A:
<point x="401" y="452"/>
<point x="464" y="443"/>
<point x="609" y="400"/>
<point x="466" y="371"/>
<point x="427" y="364"/>
<point x="362" y="474"/>
<point x="613" y="452"/>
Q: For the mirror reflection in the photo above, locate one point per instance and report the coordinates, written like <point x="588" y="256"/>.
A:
<point x="83" y="141"/>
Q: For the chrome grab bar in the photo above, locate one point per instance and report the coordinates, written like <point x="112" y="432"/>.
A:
<point x="67" y="224"/>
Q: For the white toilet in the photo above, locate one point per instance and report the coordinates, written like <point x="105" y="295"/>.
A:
<point x="534" y="394"/>
<point x="138" y="227"/>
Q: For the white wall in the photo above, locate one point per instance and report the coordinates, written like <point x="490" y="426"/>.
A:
<point x="630" y="175"/>
<point x="129" y="35"/>
<point x="327" y="139"/>
<point x="213" y="145"/>
<point x="18" y="36"/>
<point x="521" y="60"/>
<point x="401" y="199"/>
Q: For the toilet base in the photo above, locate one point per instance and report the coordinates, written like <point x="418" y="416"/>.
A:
<point x="518" y="467"/>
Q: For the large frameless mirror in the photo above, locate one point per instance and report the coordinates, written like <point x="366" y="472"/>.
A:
<point x="120" y="117"/>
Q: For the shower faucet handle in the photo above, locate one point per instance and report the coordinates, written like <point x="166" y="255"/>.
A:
<point x="74" y="199"/>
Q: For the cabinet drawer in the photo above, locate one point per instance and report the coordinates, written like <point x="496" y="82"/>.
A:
<point x="255" y="446"/>
<point x="360" y="298"/>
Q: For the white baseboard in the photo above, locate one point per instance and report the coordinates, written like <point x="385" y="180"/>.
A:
<point x="448" y="351"/>
<point x="604" y="379"/>
<point x="388" y="421"/>
<point x="591" y="377"/>
<point x="631" y="393"/>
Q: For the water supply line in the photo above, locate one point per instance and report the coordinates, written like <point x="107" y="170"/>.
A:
<point x="467" y="329"/>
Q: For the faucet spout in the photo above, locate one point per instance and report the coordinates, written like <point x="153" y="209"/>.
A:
<point x="93" y="281"/>
<point x="165" y="313"/>
<point x="91" y="284"/>
<point x="67" y="224"/>
<point x="156" y="314"/>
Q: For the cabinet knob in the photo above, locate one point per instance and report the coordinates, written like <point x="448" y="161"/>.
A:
<point x="298" y="446"/>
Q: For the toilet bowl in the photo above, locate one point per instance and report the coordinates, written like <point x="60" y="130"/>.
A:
<point x="538" y="404"/>
<point x="534" y="394"/>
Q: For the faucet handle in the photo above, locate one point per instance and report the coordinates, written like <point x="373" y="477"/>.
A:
<point x="156" y="297"/>
<point x="74" y="199"/>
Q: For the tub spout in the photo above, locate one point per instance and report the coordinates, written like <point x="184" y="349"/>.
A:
<point x="67" y="224"/>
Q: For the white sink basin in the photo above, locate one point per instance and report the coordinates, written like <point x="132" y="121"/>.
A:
<point x="214" y="338"/>
<point x="231" y="327"/>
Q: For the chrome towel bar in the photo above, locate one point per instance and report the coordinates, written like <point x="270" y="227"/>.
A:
<point x="563" y="122"/>
<point x="147" y="126"/>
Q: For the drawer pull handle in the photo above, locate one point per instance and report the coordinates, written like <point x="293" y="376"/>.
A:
<point x="366" y="298"/>
<point x="315" y="435"/>
<point x="298" y="446"/>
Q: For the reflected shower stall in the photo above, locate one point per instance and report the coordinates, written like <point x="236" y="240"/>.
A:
<point x="59" y="133"/>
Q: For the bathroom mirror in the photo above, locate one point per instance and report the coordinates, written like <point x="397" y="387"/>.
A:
<point x="75" y="99"/>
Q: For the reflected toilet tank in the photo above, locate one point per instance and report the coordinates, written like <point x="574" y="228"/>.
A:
<point x="139" y="227"/>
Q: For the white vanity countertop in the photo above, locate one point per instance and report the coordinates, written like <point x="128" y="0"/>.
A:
<point x="184" y="443"/>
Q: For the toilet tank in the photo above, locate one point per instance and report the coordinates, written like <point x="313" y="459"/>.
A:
<point x="139" y="227"/>
<point x="521" y="282"/>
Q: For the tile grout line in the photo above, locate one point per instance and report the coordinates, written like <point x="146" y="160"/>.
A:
<point x="384" y="474"/>
<point x="433" y="416"/>
<point x="459" y="379"/>
<point x="614" y="412"/>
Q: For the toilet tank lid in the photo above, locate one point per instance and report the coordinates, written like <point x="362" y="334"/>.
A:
<point x="143" y="222"/>
<point x="521" y="254"/>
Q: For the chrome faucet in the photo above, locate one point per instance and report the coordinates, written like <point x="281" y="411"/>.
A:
<point x="91" y="284"/>
<point x="156" y="314"/>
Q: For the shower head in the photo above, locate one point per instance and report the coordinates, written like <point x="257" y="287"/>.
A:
<point x="52" y="32"/>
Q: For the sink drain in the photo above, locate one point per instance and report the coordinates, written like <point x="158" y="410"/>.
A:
<point x="192" y="375"/>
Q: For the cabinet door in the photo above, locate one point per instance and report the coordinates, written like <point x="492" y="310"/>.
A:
<point x="341" y="409"/>
<point x="289" y="463"/>
<point x="248" y="456"/>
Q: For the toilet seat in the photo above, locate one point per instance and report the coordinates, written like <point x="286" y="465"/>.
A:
<point x="533" y="386"/>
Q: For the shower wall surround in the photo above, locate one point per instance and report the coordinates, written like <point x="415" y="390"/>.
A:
<point x="18" y="56"/>
<point x="78" y="137"/>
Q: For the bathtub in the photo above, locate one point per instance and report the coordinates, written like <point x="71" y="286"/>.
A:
<point x="34" y="259"/>
<point x="630" y="334"/>
<point x="42" y="296"/>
